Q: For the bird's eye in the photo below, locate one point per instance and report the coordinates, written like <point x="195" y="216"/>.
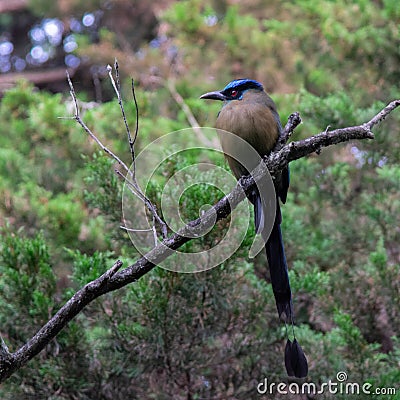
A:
<point x="234" y="93"/>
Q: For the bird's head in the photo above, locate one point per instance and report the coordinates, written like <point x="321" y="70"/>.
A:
<point x="234" y="90"/>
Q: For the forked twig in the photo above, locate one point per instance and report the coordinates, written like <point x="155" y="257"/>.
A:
<point x="150" y="206"/>
<point x="78" y="119"/>
<point x="133" y="185"/>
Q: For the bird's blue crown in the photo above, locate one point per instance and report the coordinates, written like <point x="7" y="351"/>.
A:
<point x="243" y="84"/>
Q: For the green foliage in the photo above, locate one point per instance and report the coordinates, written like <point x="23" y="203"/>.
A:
<point x="188" y="15"/>
<point x="335" y="110"/>
<point x="62" y="217"/>
<point x="40" y="165"/>
<point x="310" y="42"/>
<point x="28" y="299"/>
<point x="88" y="268"/>
<point x="13" y="168"/>
<point x="148" y="311"/>
<point x="27" y="284"/>
<point x="104" y="189"/>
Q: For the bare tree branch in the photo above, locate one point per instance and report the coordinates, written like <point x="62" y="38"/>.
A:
<point x="137" y="124"/>
<point x="79" y="120"/>
<point x="150" y="206"/>
<point x="294" y="121"/>
<point x="133" y="185"/>
<point x="117" y="89"/>
<point x="114" y="279"/>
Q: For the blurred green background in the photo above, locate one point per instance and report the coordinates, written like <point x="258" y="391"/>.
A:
<point x="212" y="335"/>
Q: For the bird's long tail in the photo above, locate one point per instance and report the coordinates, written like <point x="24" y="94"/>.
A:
<point x="279" y="271"/>
<point x="295" y="360"/>
<point x="276" y="256"/>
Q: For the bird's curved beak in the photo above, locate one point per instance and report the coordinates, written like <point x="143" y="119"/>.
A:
<point x="213" y="96"/>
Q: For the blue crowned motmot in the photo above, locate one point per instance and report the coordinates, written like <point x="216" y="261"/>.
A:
<point x="251" y="114"/>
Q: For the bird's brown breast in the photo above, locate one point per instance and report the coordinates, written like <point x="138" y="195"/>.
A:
<point x="252" y="120"/>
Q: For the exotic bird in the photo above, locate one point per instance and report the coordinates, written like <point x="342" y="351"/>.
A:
<point x="251" y="114"/>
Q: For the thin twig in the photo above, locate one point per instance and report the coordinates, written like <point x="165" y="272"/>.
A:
<point x="135" y="230"/>
<point x="293" y="121"/>
<point x="137" y="117"/>
<point x="155" y="232"/>
<point x="117" y="89"/>
<point x="382" y="114"/>
<point x="150" y="206"/>
<point x="78" y="119"/>
<point x="133" y="185"/>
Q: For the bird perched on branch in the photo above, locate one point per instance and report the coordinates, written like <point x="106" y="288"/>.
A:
<point x="251" y="114"/>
